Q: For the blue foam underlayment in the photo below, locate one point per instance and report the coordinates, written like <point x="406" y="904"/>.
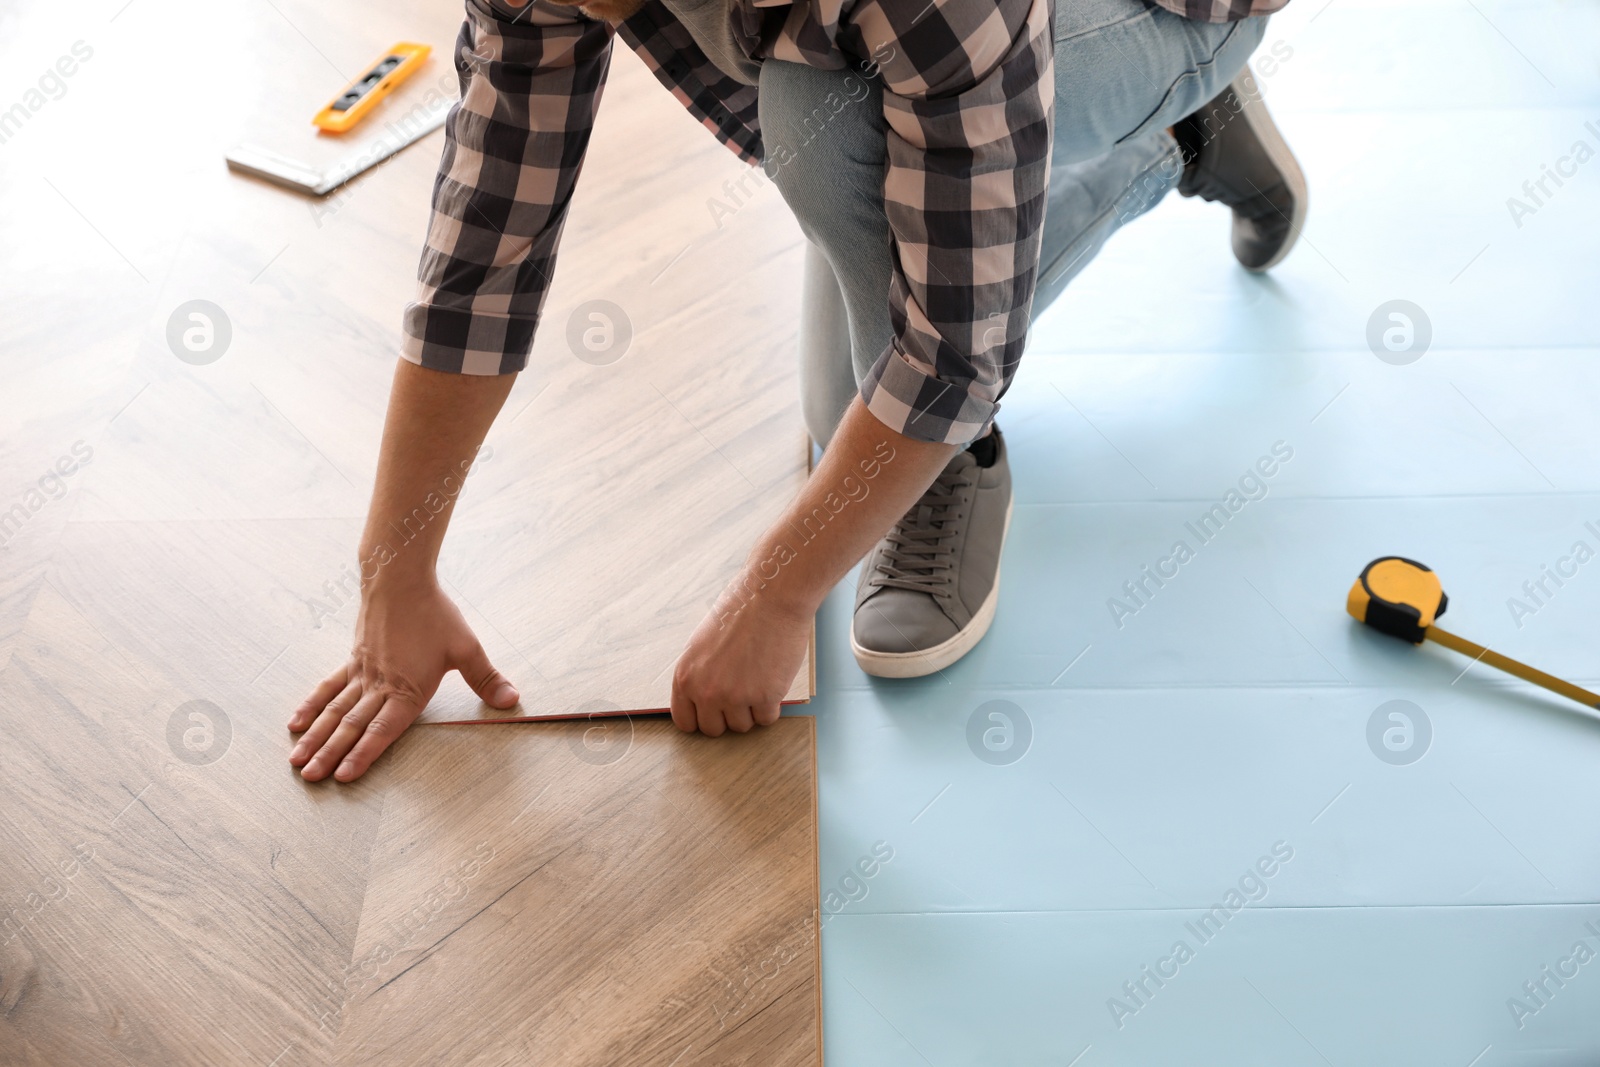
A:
<point x="1444" y="869"/>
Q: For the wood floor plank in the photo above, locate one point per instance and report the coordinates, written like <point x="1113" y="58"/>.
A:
<point x="680" y="453"/>
<point x="550" y="893"/>
<point x="137" y="862"/>
<point x="593" y="913"/>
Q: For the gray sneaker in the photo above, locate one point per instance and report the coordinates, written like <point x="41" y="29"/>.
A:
<point x="927" y="592"/>
<point x="1234" y="154"/>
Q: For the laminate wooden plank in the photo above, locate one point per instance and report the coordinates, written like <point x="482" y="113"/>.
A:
<point x="604" y="541"/>
<point x="227" y="911"/>
<point x="592" y="913"/>
<point x="172" y="912"/>
<point x="677" y="869"/>
<point x="678" y="454"/>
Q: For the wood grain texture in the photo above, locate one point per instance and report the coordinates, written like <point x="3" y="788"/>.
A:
<point x="170" y="892"/>
<point x="620" y="497"/>
<point x="672" y="879"/>
<point x="552" y="893"/>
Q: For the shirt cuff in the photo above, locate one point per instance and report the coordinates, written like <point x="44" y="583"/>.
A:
<point x="912" y="402"/>
<point x="466" y="342"/>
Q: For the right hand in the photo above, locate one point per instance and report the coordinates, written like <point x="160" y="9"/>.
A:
<point x="406" y="640"/>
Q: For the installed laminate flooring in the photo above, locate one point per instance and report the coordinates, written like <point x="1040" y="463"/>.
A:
<point x="491" y="895"/>
<point x="170" y="892"/>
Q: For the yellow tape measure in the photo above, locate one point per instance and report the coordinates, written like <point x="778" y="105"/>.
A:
<point x="1403" y="598"/>
<point x="1399" y="596"/>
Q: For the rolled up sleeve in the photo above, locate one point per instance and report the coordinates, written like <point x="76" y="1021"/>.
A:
<point x="969" y="101"/>
<point x="531" y="80"/>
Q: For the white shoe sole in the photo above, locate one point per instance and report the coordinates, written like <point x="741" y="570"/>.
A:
<point x="929" y="660"/>
<point x="1266" y="132"/>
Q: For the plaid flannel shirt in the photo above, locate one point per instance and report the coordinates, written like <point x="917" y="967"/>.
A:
<point x="969" y="89"/>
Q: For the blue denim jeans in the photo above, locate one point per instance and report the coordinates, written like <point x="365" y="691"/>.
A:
<point x="1125" y="71"/>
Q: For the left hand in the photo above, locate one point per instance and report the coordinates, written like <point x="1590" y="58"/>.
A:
<point x="738" y="666"/>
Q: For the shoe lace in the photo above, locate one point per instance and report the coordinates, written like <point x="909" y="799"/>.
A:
<point x="919" y="553"/>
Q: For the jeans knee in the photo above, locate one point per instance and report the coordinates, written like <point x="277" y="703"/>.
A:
<point x="824" y="136"/>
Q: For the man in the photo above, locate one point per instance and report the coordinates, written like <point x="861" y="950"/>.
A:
<point x="920" y="144"/>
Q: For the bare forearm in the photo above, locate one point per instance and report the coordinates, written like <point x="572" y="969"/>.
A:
<point x="868" y="478"/>
<point x="434" y="427"/>
<point x="408" y="633"/>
